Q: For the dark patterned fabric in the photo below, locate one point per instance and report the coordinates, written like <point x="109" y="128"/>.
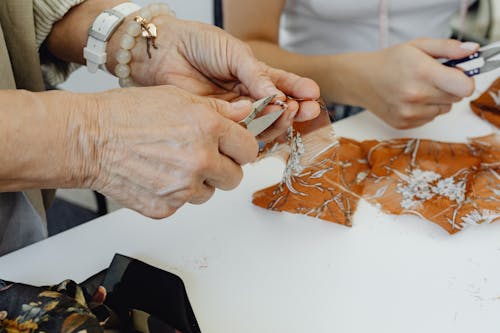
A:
<point x="130" y="296"/>
<point x="60" y="308"/>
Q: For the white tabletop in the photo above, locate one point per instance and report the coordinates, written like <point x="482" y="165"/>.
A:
<point x="252" y="270"/>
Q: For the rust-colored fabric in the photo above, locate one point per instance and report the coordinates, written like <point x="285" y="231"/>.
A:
<point x="421" y="177"/>
<point x="487" y="106"/>
<point x="327" y="189"/>
<point x="450" y="184"/>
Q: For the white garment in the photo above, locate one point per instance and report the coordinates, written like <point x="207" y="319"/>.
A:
<point x="337" y="26"/>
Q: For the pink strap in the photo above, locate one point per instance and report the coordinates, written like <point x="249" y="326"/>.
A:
<point x="383" y="19"/>
<point x="464" y="7"/>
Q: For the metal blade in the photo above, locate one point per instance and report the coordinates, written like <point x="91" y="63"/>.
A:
<point x="488" y="53"/>
<point x="258" y="106"/>
<point x="490" y="65"/>
<point x="260" y="124"/>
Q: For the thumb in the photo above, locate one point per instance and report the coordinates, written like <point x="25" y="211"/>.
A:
<point x="239" y="109"/>
<point x="235" y="141"/>
<point x="446" y="48"/>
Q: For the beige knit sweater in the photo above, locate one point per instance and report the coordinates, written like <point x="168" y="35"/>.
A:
<point x="47" y="13"/>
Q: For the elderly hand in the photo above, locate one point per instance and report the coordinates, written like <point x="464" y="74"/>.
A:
<point x="207" y="61"/>
<point x="153" y="149"/>
<point x="407" y="87"/>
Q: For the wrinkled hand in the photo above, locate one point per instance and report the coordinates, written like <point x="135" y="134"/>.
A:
<point x="407" y="87"/>
<point x="157" y="148"/>
<point x="207" y="61"/>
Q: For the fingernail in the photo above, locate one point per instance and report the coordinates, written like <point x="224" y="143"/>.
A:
<point x="241" y="104"/>
<point x="273" y="91"/>
<point x="471" y="46"/>
<point x="292" y="115"/>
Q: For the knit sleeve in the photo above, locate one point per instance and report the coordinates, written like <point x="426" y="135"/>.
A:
<point x="47" y="13"/>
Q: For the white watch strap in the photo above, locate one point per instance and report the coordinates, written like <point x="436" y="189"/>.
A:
<point x="100" y="32"/>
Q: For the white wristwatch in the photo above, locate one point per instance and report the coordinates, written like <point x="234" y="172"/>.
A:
<point x="100" y="32"/>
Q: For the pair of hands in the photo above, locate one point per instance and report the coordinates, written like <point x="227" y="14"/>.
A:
<point x="407" y="87"/>
<point x="178" y="140"/>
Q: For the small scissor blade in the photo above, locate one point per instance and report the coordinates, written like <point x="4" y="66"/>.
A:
<point x="483" y="53"/>
<point x="260" y="124"/>
<point x="262" y="103"/>
<point x="490" y="65"/>
<point x="258" y="106"/>
<point x="488" y="53"/>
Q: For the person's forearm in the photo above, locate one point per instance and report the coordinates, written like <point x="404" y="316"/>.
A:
<point x="337" y="75"/>
<point x="69" y="36"/>
<point x="43" y="140"/>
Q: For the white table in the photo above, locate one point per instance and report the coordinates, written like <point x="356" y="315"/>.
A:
<point x="252" y="270"/>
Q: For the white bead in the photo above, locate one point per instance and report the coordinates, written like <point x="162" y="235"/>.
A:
<point x="155" y="9"/>
<point x="123" y="56"/>
<point x="145" y="13"/>
<point x="127" y="42"/>
<point x="133" y="29"/>
<point x="122" y="71"/>
<point x="127" y="82"/>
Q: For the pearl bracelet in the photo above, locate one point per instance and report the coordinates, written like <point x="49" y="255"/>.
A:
<point x="138" y="27"/>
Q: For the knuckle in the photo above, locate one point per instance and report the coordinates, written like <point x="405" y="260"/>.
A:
<point x="402" y="124"/>
<point x="446" y="109"/>
<point x="421" y="72"/>
<point x="413" y="95"/>
<point x="184" y="196"/>
<point x="469" y="90"/>
<point x="202" y="196"/>
<point x="159" y="209"/>
<point x="235" y="178"/>
<point x="202" y="162"/>
<point x="407" y="115"/>
<point x="214" y="104"/>
<point x="211" y="122"/>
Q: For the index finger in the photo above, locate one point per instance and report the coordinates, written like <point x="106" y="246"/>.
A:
<point x="293" y="85"/>
<point x="451" y="80"/>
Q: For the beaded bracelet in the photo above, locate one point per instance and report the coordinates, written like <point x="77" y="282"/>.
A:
<point x="138" y="27"/>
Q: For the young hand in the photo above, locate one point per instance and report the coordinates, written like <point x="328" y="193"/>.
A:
<point x="407" y="87"/>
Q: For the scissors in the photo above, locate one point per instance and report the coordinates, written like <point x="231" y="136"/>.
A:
<point x="258" y="125"/>
<point x="487" y="66"/>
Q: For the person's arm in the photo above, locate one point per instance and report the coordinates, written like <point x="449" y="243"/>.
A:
<point x="130" y="144"/>
<point x="69" y="36"/>
<point x="134" y="144"/>
<point x="257" y="23"/>
<point x="40" y="146"/>
<point x="403" y="84"/>
<point x="194" y="56"/>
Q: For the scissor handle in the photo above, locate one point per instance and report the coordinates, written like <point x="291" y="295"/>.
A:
<point x="454" y="62"/>
<point x="473" y="72"/>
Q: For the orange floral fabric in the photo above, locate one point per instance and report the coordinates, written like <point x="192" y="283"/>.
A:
<point x="487" y="106"/>
<point x="327" y="189"/>
<point x="450" y="184"/>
